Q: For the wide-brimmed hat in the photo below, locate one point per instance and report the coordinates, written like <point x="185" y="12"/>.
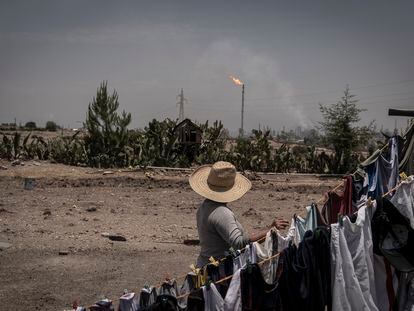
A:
<point x="219" y="182"/>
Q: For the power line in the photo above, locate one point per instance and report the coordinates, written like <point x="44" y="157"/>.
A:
<point x="316" y="93"/>
<point x="331" y="91"/>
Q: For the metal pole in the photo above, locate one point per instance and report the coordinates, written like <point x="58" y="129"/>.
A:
<point x="242" y="113"/>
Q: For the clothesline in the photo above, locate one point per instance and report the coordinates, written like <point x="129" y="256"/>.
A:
<point x="263" y="238"/>
<point x="353" y="174"/>
<point x="219" y="260"/>
<point x="230" y="276"/>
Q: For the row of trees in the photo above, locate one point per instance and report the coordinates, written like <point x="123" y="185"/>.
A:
<point x="108" y="142"/>
<point x="50" y="126"/>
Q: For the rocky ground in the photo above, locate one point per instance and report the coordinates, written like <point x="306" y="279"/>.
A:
<point x="53" y="243"/>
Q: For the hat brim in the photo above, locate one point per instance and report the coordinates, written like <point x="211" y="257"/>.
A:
<point x="198" y="182"/>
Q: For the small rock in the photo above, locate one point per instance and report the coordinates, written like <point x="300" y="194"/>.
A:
<point x="15" y="162"/>
<point x="91" y="209"/>
<point x="29" y="183"/>
<point x="2" y="167"/>
<point x="36" y="163"/>
<point x="191" y="242"/>
<point x="85" y="219"/>
<point x="63" y="253"/>
<point x="105" y="234"/>
<point x="108" y="172"/>
<point x="4" y="245"/>
<point x="250" y="212"/>
<point x="271" y="195"/>
<point x="47" y="212"/>
<point x="117" y="237"/>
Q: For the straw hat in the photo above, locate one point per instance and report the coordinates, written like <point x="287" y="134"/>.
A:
<point x="219" y="182"/>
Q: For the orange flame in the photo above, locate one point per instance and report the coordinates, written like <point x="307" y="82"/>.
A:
<point x="236" y="81"/>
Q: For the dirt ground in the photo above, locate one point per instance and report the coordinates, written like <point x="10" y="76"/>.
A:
<point x="52" y="251"/>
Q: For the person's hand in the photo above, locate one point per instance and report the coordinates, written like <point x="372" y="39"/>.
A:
<point x="280" y="224"/>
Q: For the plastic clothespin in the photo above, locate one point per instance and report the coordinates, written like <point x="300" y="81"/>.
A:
<point x="213" y="261"/>
<point x="232" y="252"/>
<point x="340" y="220"/>
<point x="208" y="283"/>
<point x="403" y="176"/>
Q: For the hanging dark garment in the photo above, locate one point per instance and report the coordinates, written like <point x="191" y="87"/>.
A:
<point x="215" y="273"/>
<point x="102" y="305"/>
<point x="331" y="208"/>
<point x="256" y="294"/>
<point x="168" y="287"/>
<point x="346" y="204"/>
<point x="338" y="203"/>
<point x="359" y="188"/>
<point x="305" y="280"/>
<point x="195" y="300"/>
<point x="147" y="297"/>
<point x="406" y="154"/>
<point x="164" y="303"/>
<point x="228" y="265"/>
<point x="393" y="236"/>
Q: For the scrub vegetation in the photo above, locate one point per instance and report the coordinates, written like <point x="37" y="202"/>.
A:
<point x="337" y="146"/>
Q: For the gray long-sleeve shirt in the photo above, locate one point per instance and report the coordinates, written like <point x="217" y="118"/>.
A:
<point x="218" y="230"/>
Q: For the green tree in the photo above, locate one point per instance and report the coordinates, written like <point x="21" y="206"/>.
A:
<point x="51" y="126"/>
<point x="30" y="125"/>
<point x="341" y="132"/>
<point x="107" y="130"/>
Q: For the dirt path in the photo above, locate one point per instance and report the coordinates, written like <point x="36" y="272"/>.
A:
<point x="70" y="207"/>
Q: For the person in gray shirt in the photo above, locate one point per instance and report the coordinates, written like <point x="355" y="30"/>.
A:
<point x="218" y="228"/>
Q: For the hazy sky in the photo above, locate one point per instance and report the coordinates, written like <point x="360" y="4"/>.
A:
<point x="290" y="55"/>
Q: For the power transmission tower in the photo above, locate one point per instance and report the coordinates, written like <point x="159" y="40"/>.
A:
<point x="181" y="101"/>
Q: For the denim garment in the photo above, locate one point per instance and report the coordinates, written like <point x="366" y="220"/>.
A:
<point x="382" y="170"/>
